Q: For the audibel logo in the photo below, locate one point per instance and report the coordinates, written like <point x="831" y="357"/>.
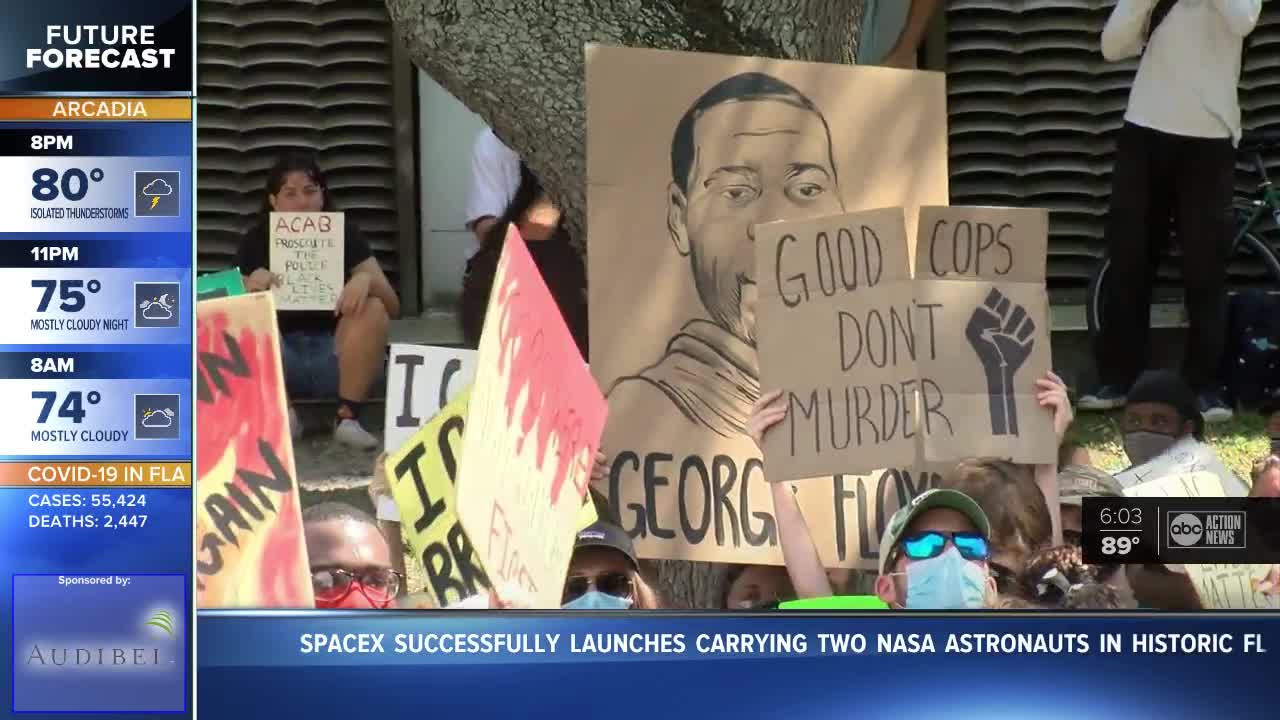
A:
<point x="99" y="643"/>
<point x="1223" y="530"/>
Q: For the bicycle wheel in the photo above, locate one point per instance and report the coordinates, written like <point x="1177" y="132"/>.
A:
<point x="1093" y="304"/>
<point x="1260" y="253"/>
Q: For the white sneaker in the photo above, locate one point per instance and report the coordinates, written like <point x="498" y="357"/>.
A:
<point x="295" y="424"/>
<point x="352" y="433"/>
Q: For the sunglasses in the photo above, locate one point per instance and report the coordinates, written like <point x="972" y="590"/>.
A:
<point x="335" y="584"/>
<point x="613" y="583"/>
<point x="930" y="544"/>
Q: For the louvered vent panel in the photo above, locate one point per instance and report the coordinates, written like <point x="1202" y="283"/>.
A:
<point x="1034" y="110"/>
<point x="281" y="74"/>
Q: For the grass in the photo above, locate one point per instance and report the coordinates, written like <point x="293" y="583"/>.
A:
<point x="1238" y="443"/>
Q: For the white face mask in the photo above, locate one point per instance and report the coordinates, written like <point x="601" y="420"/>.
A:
<point x="1143" y="446"/>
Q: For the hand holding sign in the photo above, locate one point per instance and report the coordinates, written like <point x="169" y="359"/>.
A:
<point x="766" y="413"/>
<point x="1053" y="397"/>
<point x="1001" y="334"/>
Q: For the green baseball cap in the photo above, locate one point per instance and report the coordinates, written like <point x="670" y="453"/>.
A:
<point x="1077" y="482"/>
<point x="922" y="503"/>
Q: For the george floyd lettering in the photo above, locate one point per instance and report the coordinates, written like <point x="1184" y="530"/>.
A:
<point x="980" y="272"/>
<point x="714" y="505"/>
<point x="248" y="508"/>
<point x="842" y="290"/>
<point x="306" y="251"/>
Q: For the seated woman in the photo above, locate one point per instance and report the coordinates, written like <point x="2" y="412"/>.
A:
<point x="338" y="354"/>
<point x="539" y="222"/>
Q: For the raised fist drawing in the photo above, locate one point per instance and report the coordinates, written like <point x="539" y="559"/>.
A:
<point x="1002" y="334"/>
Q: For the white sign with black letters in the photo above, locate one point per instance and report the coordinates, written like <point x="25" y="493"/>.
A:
<point x="421" y="380"/>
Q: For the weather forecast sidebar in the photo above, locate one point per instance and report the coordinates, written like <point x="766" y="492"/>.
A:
<point x="96" y="333"/>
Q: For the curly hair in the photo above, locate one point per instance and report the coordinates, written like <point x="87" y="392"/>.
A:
<point x="1013" y="503"/>
<point x="1059" y="577"/>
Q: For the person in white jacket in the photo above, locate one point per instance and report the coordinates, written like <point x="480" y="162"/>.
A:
<point x="1175" y="164"/>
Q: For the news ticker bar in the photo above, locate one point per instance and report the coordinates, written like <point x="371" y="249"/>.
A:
<point x="1181" y="531"/>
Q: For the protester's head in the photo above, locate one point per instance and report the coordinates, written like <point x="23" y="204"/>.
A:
<point x="1015" y="507"/>
<point x="1266" y="478"/>
<point x="350" y="560"/>
<point x="1075" y="483"/>
<point x="1073" y="454"/>
<point x="1161" y="410"/>
<point x="933" y="555"/>
<point x="604" y="573"/>
<point x="751" y="149"/>
<point x="1058" y="577"/>
<point x="753" y="586"/>
<point x="535" y="214"/>
<point x="296" y="184"/>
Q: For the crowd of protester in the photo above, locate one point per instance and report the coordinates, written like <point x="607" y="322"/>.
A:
<point x="989" y="535"/>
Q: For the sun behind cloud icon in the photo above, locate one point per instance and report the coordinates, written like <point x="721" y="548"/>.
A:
<point x="159" y="186"/>
<point x="157" y="418"/>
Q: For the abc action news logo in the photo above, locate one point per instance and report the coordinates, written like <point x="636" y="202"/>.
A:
<point x="1194" y="529"/>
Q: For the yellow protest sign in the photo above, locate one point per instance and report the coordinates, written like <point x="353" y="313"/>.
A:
<point x="422" y="475"/>
<point x="1232" y="587"/>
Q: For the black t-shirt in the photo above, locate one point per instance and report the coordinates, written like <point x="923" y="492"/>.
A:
<point x="255" y="253"/>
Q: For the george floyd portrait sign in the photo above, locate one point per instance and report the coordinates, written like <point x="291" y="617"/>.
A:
<point x="724" y="144"/>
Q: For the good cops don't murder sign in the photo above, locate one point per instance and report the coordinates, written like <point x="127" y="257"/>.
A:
<point x="307" y="255"/>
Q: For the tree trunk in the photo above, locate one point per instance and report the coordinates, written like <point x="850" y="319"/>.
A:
<point x="519" y="65"/>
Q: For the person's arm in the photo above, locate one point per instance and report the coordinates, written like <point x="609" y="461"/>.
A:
<point x="907" y="48"/>
<point x="804" y="566"/>
<point x="1124" y="34"/>
<point x="1052" y="396"/>
<point x="495" y="173"/>
<point x="379" y="285"/>
<point x="1241" y="15"/>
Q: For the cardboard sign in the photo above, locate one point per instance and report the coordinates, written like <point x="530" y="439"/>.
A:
<point x="533" y="428"/>
<point x="421" y="381"/>
<point x="307" y="253"/>
<point x="422" y="475"/>
<point x="250" y="548"/>
<point x="227" y="283"/>
<point x="1187" y="456"/>
<point x="1197" y="484"/>
<point x="982" y="326"/>
<point x="840" y="289"/>
<point x="675" y="194"/>
<point x="1232" y="587"/>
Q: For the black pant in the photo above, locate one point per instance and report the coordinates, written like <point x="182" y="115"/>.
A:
<point x="1160" y="177"/>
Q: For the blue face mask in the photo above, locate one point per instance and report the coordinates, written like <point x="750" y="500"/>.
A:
<point x="596" y="600"/>
<point x="946" y="582"/>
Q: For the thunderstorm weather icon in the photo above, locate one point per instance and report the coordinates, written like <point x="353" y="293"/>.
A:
<point x="157" y="418"/>
<point x="160" y="308"/>
<point x="157" y="189"/>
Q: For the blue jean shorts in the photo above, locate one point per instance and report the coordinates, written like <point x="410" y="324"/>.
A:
<point x="310" y="362"/>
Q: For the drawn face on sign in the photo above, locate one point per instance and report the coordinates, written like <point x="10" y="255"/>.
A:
<point x="751" y="150"/>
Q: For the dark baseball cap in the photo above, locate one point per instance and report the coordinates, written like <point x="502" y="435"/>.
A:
<point x="922" y="503"/>
<point x="1077" y="482"/>
<point x="607" y="535"/>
